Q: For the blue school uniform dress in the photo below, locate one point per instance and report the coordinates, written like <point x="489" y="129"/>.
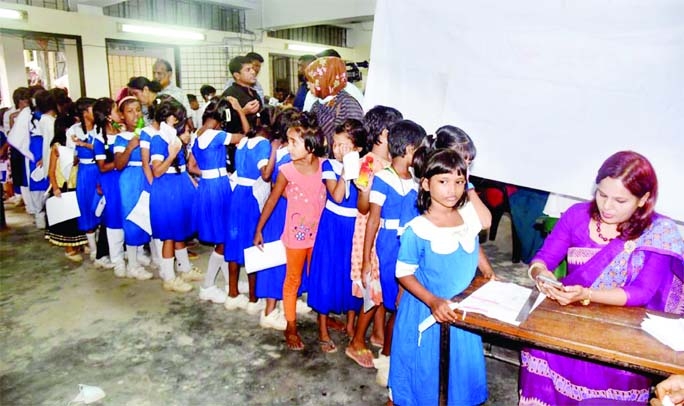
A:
<point x="398" y="200"/>
<point x="109" y="181"/>
<point x="87" y="178"/>
<point x="330" y="285"/>
<point x="36" y="148"/>
<point x="213" y="191"/>
<point x="251" y="155"/>
<point x="444" y="260"/>
<point x="132" y="183"/>
<point x="172" y="196"/>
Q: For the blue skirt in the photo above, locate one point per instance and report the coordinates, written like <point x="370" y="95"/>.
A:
<point x="212" y="210"/>
<point x="269" y="282"/>
<point x="87" y="177"/>
<point x="131" y="184"/>
<point x="36" y="148"/>
<point x="172" y="201"/>
<point x="330" y="285"/>
<point x="243" y="218"/>
<point x="109" y="182"/>
<point x="387" y="247"/>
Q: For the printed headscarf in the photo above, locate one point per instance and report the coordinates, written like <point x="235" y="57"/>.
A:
<point x="326" y="76"/>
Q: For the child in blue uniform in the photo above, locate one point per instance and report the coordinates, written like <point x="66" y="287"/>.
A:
<point x="107" y="123"/>
<point x="41" y="134"/>
<point x="208" y="160"/>
<point x="173" y="194"/>
<point x="392" y="204"/>
<point x="437" y="260"/>
<point x="132" y="184"/>
<point x="252" y="176"/>
<point x="330" y="285"/>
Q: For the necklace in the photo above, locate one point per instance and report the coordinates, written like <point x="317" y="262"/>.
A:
<point x="598" y="230"/>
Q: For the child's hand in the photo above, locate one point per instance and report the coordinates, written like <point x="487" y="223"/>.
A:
<point x="365" y="270"/>
<point x="57" y="192"/>
<point x="174" y="147"/>
<point x="234" y="103"/>
<point x="258" y="240"/>
<point x="441" y="310"/>
<point x="364" y="188"/>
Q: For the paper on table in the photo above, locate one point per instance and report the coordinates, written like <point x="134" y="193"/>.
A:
<point x="258" y="260"/>
<point x="140" y="215"/>
<point x="668" y="331"/>
<point x="62" y="208"/>
<point x="498" y="300"/>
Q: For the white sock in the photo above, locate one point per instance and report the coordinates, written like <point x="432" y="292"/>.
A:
<point x="141" y="250"/>
<point x="215" y="262"/>
<point x="182" y="260"/>
<point x="156" y="250"/>
<point x="132" y="252"/>
<point x="91" y="242"/>
<point x="115" y="240"/>
<point x="224" y="271"/>
<point x="166" y="269"/>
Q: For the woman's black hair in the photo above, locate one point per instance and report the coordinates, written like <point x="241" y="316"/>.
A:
<point x="166" y="107"/>
<point x="357" y="133"/>
<point x="80" y="107"/>
<point x="101" y="111"/>
<point x="306" y="125"/>
<point x="446" y="136"/>
<point x="441" y="161"/>
<point x="141" y="82"/>
<point x="378" y="119"/>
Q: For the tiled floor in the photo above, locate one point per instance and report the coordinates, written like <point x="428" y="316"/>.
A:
<point x="65" y="324"/>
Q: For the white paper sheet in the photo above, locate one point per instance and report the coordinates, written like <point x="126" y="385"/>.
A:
<point x="258" y="260"/>
<point x="38" y="174"/>
<point x="352" y="165"/>
<point x="668" y="331"/>
<point x="100" y="206"/>
<point x="62" y="208"/>
<point x="498" y="300"/>
<point x="66" y="160"/>
<point x="140" y="215"/>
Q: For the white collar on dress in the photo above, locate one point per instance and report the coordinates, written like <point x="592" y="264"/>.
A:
<point x="206" y="138"/>
<point x="446" y="240"/>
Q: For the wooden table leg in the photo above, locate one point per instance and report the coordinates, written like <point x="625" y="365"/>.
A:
<point x="444" y="341"/>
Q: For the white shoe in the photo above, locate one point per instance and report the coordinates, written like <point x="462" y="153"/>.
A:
<point x="275" y="320"/>
<point x="193" y="275"/>
<point x="93" y="256"/>
<point x="213" y="294"/>
<point x="237" y="302"/>
<point x="120" y="269"/>
<point x="176" y="285"/>
<point x="255" y="307"/>
<point x="382" y="376"/>
<point x="302" y="307"/>
<point x="382" y="361"/>
<point x="138" y="272"/>
<point x="143" y="259"/>
<point x="103" y="263"/>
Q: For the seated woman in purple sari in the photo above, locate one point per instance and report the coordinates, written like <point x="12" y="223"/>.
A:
<point x="620" y="252"/>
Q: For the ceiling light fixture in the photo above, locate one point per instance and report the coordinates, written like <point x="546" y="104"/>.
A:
<point x="162" y="32"/>
<point x="12" y="14"/>
<point x="305" y="48"/>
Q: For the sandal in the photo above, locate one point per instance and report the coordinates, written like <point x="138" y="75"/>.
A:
<point x="376" y="344"/>
<point x="327" y="346"/>
<point x="363" y="357"/>
<point x="294" y="342"/>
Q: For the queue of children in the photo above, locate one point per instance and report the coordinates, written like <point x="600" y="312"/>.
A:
<point x="155" y="181"/>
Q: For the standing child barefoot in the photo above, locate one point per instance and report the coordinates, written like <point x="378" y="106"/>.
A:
<point x="300" y="181"/>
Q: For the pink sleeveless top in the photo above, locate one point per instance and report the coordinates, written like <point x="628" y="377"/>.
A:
<point x="305" y="201"/>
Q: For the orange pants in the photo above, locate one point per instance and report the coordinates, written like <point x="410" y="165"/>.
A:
<point x="296" y="258"/>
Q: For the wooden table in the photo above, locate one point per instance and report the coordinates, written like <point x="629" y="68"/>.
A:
<point x="609" y="334"/>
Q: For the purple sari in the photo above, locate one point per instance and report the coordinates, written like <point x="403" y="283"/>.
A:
<point x="650" y="269"/>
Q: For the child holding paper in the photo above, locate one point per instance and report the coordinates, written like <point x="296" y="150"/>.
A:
<point x="300" y="181"/>
<point x="330" y="285"/>
<point x="437" y="260"/>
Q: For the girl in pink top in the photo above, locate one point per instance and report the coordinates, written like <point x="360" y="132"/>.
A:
<point x="301" y="182"/>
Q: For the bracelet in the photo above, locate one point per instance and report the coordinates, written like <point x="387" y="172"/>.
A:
<point x="585" y="302"/>
<point x="534" y="265"/>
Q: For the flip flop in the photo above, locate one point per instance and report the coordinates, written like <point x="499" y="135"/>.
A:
<point x="376" y="344"/>
<point x="363" y="357"/>
<point x="294" y="342"/>
<point x="327" y="346"/>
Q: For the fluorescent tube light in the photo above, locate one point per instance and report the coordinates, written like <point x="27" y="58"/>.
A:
<point x="12" y="14"/>
<point x="305" y="48"/>
<point x="162" y="32"/>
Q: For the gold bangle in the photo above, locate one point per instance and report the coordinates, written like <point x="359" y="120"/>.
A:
<point x="585" y="302"/>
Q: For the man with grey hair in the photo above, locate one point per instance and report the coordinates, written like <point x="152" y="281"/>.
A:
<point x="162" y="73"/>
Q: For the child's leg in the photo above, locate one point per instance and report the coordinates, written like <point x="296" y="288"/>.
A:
<point x="213" y="268"/>
<point x="324" y="340"/>
<point x="388" y="334"/>
<point x="251" y="278"/>
<point x="296" y="258"/>
<point x="233" y="275"/>
<point x="378" y="334"/>
<point x="357" y="349"/>
<point x="351" y="319"/>
<point x="270" y="306"/>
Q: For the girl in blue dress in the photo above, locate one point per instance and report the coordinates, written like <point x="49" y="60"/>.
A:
<point x="330" y="285"/>
<point x="173" y="194"/>
<point x="437" y="260"/>
<point x="252" y="176"/>
<point x="132" y="184"/>
<point x="42" y="131"/>
<point x="107" y="121"/>
<point x="207" y="159"/>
